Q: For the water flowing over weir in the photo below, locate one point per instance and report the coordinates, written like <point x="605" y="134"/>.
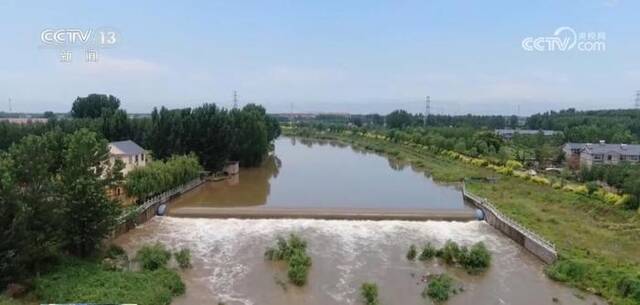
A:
<point x="229" y="265"/>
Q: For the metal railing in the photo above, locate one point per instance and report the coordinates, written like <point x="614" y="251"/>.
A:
<point x="513" y="223"/>
<point x="163" y="197"/>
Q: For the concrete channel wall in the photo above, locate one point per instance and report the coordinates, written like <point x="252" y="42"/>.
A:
<point x="531" y="241"/>
<point x="148" y="210"/>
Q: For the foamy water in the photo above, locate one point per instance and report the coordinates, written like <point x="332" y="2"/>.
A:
<point x="229" y="266"/>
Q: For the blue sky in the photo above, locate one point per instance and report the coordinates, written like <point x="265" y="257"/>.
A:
<point x="355" y="56"/>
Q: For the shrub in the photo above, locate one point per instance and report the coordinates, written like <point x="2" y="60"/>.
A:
<point x="567" y="270"/>
<point x="629" y="287"/>
<point x="183" y="257"/>
<point x="298" y="267"/>
<point x="578" y="189"/>
<point x="76" y="280"/>
<point x="513" y="164"/>
<point x="115" y="251"/>
<point x="479" y="162"/>
<point x="504" y="170"/>
<point x="540" y="180"/>
<point x="293" y="251"/>
<point x="411" y="254"/>
<point x="369" y="292"/>
<point x="450" y="252"/>
<point x="623" y="201"/>
<point x="611" y="198"/>
<point x="439" y="288"/>
<point x="581" y="189"/>
<point x="5" y="300"/>
<point x="592" y="187"/>
<point x="153" y="257"/>
<point x="477" y="259"/>
<point x="428" y="252"/>
<point x="520" y="175"/>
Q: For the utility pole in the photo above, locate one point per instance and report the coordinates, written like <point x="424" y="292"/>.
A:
<point x="291" y="115"/>
<point x="235" y="99"/>
<point x="427" y="111"/>
<point x="638" y="99"/>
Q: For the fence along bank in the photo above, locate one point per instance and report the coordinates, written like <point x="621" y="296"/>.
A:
<point x="531" y="241"/>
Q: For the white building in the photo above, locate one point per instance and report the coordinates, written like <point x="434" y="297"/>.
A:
<point x="602" y="153"/>
<point x="130" y="153"/>
<point x="510" y="133"/>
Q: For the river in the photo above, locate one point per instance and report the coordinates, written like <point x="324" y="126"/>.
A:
<point x="229" y="266"/>
<point x="326" y="174"/>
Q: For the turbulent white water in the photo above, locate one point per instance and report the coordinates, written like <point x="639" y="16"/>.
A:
<point x="229" y="265"/>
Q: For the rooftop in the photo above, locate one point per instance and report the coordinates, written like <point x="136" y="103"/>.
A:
<point x="603" y="148"/>
<point x="127" y="147"/>
<point x="526" y="131"/>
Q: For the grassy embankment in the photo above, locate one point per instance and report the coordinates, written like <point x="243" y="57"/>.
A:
<point x="75" y="280"/>
<point x="598" y="244"/>
<point x="81" y="281"/>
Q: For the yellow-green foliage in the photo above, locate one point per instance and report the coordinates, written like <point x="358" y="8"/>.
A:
<point x="513" y="164"/>
<point x="578" y="189"/>
<point x="504" y="170"/>
<point x="557" y="185"/>
<point x="608" y="197"/>
<point x="623" y="200"/>
<point x="451" y="154"/>
<point x="540" y="180"/>
<point x="479" y="162"/>
<point x="519" y="174"/>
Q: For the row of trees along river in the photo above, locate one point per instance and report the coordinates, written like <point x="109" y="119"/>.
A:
<point x="53" y="175"/>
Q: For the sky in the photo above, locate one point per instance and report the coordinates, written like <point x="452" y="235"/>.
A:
<point x="323" y="56"/>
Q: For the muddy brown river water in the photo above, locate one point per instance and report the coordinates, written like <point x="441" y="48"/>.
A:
<point x="325" y="174"/>
<point x="229" y="266"/>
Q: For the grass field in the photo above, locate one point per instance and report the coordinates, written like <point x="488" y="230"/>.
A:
<point x="85" y="281"/>
<point x="76" y="281"/>
<point x="598" y="244"/>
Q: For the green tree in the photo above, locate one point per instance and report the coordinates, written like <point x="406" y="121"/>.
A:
<point x="89" y="214"/>
<point x="115" y="124"/>
<point x="160" y="176"/>
<point x="30" y="205"/>
<point x="251" y="142"/>
<point x="398" y="119"/>
<point x="92" y="105"/>
<point x="632" y="187"/>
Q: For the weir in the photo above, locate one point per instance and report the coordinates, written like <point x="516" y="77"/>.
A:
<point x="326" y="213"/>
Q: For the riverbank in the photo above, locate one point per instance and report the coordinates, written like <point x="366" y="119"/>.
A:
<point x="598" y="244"/>
<point x="75" y="280"/>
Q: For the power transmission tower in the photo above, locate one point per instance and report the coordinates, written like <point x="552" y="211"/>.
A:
<point x="235" y="99"/>
<point x="427" y="111"/>
<point x="10" y="109"/>
<point x="638" y="99"/>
